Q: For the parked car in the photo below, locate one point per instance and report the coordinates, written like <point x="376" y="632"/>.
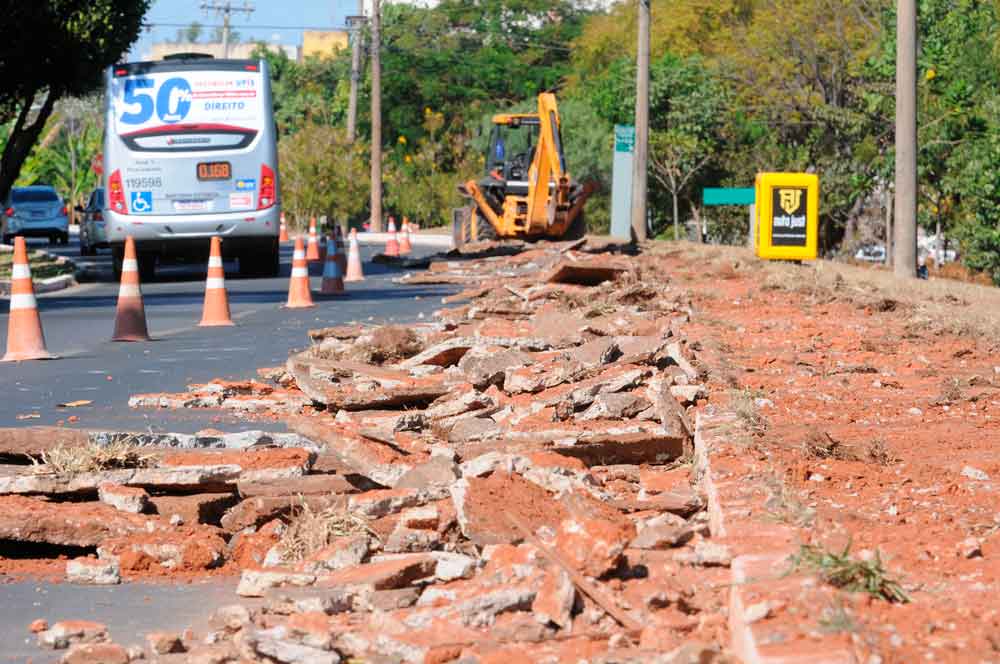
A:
<point x="35" y="211"/>
<point x="872" y="253"/>
<point x="93" y="233"/>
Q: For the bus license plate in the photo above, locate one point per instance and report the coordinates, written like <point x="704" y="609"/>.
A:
<point x="215" y="170"/>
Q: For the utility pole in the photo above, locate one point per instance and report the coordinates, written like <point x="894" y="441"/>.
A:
<point x="905" y="231"/>
<point x="226" y="10"/>
<point x="355" y="24"/>
<point x="640" y="165"/>
<point x="376" y="58"/>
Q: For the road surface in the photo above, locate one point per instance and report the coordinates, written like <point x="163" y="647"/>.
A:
<point x="78" y="324"/>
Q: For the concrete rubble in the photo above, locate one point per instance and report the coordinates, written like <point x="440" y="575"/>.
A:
<point x="492" y="484"/>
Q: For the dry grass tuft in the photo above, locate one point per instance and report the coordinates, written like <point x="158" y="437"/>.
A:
<point x="744" y="404"/>
<point x="880" y="454"/>
<point x="310" y="531"/>
<point x="388" y="344"/>
<point x="821" y="445"/>
<point x="92" y="458"/>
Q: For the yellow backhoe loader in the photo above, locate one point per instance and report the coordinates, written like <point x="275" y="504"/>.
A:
<point x="527" y="192"/>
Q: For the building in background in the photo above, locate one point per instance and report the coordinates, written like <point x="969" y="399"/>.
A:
<point x="324" y="43"/>
<point x="238" y="51"/>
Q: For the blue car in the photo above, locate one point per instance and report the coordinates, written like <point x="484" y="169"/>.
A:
<point x="35" y="211"/>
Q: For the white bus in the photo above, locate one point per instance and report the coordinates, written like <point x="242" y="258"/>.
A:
<point x="190" y="152"/>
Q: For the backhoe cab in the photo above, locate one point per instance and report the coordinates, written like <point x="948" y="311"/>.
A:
<point x="527" y="192"/>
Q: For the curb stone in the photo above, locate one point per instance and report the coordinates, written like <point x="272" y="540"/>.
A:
<point x="736" y="503"/>
<point x="50" y="285"/>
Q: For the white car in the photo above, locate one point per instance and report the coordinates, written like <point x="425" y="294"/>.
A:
<point x="872" y="253"/>
<point x="35" y="211"/>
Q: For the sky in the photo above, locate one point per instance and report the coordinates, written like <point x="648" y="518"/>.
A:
<point x="265" y="23"/>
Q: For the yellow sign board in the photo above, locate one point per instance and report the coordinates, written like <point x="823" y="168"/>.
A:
<point x="787" y="216"/>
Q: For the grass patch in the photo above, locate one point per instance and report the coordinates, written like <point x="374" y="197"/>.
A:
<point x="842" y="571"/>
<point x="92" y="458"/>
<point x="783" y="505"/>
<point x="310" y="531"/>
<point x="42" y="267"/>
<point x="744" y="404"/>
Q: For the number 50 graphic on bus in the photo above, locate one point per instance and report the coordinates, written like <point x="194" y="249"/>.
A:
<point x="172" y="103"/>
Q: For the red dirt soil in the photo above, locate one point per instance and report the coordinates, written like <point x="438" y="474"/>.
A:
<point x="927" y="405"/>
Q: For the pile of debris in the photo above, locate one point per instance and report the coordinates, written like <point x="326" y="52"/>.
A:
<point x="513" y="480"/>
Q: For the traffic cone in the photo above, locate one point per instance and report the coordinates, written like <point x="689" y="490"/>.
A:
<point x="354" y="271"/>
<point x="404" y="238"/>
<point x="338" y="235"/>
<point x="333" y="278"/>
<point x="312" y="252"/>
<point x="392" y="244"/>
<point x="283" y="236"/>
<point x="299" y="295"/>
<point x="130" y="319"/>
<point x="25" y="340"/>
<point x="216" y="311"/>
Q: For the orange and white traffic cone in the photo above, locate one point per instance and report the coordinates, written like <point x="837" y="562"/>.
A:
<point x="312" y="251"/>
<point x="354" y="271"/>
<point x="25" y="340"/>
<point x="130" y="318"/>
<point x="216" y="311"/>
<point x="299" y="295"/>
<point x="404" y="238"/>
<point x="333" y="278"/>
<point x="283" y="235"/>
<point x="338" y="236"/>
<point x="392" y="244"/>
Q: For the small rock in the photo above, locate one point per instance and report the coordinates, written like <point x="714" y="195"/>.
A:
<point x="970" y="548"/>
<point x="87" y="571"/>
<point x="164" y="643"/>
<point x="123" y="498"/>
<point x="96" y="653"/>
<point x="706" y="554"/>
<point x="756" y="612"/>
<point x="975" y="474"/>
<point x="39" y="625"/>
<point x="230" y="618"/>
<point x="453" y="566"/>
<point x="555" y="599"/>
<point x="439" y="471"/>
<point x="72" y="632"/>
<point x="662" y="537"/>
<point x="915" y="411"/>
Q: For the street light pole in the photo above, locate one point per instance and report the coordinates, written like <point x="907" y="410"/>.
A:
<point x="640" y="165"/>
<point x="905" y="231"/>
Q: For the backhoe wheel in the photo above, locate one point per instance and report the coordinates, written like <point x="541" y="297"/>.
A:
<point x="577" y="229"/>
<point x="480" y="231"/>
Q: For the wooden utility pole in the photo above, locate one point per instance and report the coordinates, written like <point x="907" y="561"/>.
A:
<point x="226" y="10"/>
<point x="640" y="165"/>
<point x="905" y="231"/>
<point x="355" y="23"/>
<point x="376" y="58"/>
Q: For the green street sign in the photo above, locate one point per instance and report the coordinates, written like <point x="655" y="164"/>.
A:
<point x="738" y="196"/>
<point x="625" y="139"/>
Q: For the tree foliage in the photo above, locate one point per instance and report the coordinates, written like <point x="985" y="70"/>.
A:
<point x="59" y="48"/>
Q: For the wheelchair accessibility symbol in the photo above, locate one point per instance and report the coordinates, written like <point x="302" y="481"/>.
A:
<point x="142" y="201"/>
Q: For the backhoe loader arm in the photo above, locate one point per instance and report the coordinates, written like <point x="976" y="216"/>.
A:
<point x="547" y="167"/>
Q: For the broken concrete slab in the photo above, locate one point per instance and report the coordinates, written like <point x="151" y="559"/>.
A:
<point x="205" y="508"/>
<point x="485" y="365"/>
<point x="123" y="498"/>
<point x="24" y="519"/>
<point x="585" y="270"/>
<point x="91" y="572"/>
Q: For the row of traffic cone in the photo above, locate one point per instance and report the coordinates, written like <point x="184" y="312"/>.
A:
<point x="397" y="245"/>
<point x="26" y="340"/>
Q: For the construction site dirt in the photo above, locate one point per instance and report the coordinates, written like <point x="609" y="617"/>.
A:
<point x="674" y="454"/>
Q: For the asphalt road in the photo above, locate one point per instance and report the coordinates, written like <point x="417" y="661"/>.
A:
<point x="78" y="324"/>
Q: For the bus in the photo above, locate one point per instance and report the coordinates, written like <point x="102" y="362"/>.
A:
<point x="190" y="152"/>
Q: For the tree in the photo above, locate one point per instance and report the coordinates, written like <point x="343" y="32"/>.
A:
<point x="322" y="174"/>
<point x="60" y="48"/>
<point x="192" y="33"/>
